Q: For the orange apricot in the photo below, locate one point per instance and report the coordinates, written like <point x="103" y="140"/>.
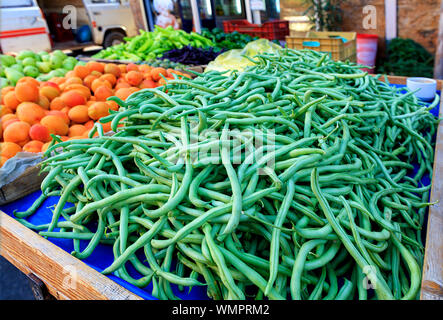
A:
<point x="29" y="80"/>
<point x="6" y="123"/>
<point x="4" y="110"/>
<point x="134" y="78"/>
<point x="17" y="132"/>
<point x="9" y="149"/>
<point x="123" y="93"/>
<point x="49" y="92"/>
<point x="147" y="84"/>
<point x="61" y="114"/>
<point x="79" y="114"/>
<point x="98" y="110"/>
<point x="39" y="132"/>
<point x="157" y="72"/>
<point x="98" y="83"/>
<point x="122" y="84"/>
<point x="131" y="67"/>
<point x="55" y="125"/>
<point x="102" y="93"/>
<point x="45" y="146"/>
<point x="74" y="80"/>
<point x="110" y="78"/>
<point x="145" y="68"/>
<point x="10" y="100"/>
<point x="57" y="104"/>
<point x="89" y="124"/>
<point x="87" y="81"/>
<point x="43" y="102"/>
<point x="73" y="98"/>
<point x="76" y="130"/>
<point x="122" y="68"/>
<point x="30" y="112"/>
<point x="34" y="146"/>
<point x="95" y="66"/>
<point x="113" y="69"/>
<point x="70" y="74"/>
<point x="81" y="71"/>
<point x="84" y="90"/>
<point x="27" y="92"/>
<point x="113" y="105"/>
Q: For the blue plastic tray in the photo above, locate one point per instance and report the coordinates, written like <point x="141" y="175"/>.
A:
<point x="102" y="257"/>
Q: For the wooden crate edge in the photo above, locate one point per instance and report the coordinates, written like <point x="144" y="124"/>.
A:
<point x="65" y="276"/>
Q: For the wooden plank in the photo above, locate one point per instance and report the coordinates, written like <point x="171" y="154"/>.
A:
<point x="402" y="80"/>
<point x="65" y="276"/>
<point x="28" y="182"/>
<point x="438" y="64"/>
<point x="432" y="278"/>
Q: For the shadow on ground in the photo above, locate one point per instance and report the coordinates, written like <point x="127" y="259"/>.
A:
<point x="14" y="285"/>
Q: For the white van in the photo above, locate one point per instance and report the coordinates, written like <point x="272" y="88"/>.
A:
<point x="27" y="24"/>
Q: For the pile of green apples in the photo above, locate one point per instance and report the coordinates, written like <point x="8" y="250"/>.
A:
<point x="42" y="66"/>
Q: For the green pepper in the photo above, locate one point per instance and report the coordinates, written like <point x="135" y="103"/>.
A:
<point x="148" y="43"/>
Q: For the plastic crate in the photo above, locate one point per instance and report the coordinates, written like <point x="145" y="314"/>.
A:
<point x="271" y="30"/>
<point x="330" y="42"/>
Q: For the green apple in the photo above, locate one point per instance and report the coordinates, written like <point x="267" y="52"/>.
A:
<point x="56" y="61"/>
<point x="4" y="82"/>
<point x="69" y="63"/>
<point x="59" y="53"/>
<point x="31" y="71"/>
<point x="28" y="62"/>
<point x="44" y="67"/>
<point x="18" y="67"/>
<point x="25" y="54"/>
<point x="46" y="58"/>
<point x="7" y="60"/>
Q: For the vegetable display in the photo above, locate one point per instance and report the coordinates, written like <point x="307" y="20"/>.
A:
<point x="68" y="106"/>
<point x="165" y="63"/>
<point x="239" y="59"/>
<point x="227" y="41"/>
<point x="290" y="180"/>
<point x="405" y="57"/>
<point x="189" y="55"/>
<point x="150" y="45"/>
<point x="42" y="65"/>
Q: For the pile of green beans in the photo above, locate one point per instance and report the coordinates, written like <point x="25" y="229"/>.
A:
<point x="311" y="194"/>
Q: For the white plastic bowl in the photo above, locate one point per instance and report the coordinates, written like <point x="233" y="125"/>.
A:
<point x="427" y="86"/>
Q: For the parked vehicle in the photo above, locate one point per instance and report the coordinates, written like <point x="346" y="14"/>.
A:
<point x="53" y="24"/>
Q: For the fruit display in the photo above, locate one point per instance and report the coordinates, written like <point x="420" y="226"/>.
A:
<point x="33" y="111"/>
<point x="42" y="66"/>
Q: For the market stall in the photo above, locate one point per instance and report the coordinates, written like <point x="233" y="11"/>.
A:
<point x="66" y="277"/>
<point x="224" y="165"/>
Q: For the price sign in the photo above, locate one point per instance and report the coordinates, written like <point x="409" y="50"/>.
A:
<point x="257" y="5"/>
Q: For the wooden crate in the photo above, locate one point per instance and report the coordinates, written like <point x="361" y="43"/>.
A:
<point x="327" y="42"/>
<point x="33" y="254"/>
<point x="28" y="182"/>
<point x="65" y="277"/>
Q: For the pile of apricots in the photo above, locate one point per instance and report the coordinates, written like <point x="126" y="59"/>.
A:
<point x="68" y="106"/>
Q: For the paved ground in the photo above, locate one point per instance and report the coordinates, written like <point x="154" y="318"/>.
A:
<point x="14" y="285"/>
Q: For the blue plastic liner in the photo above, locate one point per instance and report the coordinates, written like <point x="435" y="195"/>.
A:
<point x="102" y="257"/>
